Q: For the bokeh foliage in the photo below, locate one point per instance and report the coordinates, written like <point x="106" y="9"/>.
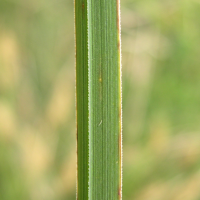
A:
<point x="37" y="109"/>
<point x="161" y="99"/>
<point x="161" y="110"/>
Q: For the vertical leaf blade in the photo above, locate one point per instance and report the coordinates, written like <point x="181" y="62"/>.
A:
<point x="98" y="82"/>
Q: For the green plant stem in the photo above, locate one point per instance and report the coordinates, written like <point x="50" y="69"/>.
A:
<point x="98" y="98"/>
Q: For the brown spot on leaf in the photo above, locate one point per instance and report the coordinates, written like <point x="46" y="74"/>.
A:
<point x="120" y="192"/>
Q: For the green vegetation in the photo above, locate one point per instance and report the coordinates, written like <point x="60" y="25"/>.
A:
<point x="161" y="98"/>
<point x="98" y="78"/>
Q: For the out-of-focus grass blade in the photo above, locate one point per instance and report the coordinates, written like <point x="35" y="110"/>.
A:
<point x="98" y="98"/>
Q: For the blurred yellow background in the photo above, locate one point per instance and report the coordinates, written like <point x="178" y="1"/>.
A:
<point x="161" y="100"/>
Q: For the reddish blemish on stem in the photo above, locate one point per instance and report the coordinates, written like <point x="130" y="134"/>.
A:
<point x="119" y="192"/>
<point x="83" y="9"/>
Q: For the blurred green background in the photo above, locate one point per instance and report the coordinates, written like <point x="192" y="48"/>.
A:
<point x="161" y="100"/>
